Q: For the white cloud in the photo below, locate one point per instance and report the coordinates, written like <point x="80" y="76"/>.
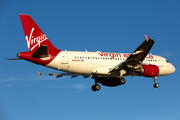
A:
<point x="27" y="78"/>
<point x="42" y="78"/>
<point x="9" y="85"/>
<point x="79" y="86"/>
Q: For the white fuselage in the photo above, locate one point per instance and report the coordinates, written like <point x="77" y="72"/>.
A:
<point x="86" y="63"/>
<point x="105" y="68"/>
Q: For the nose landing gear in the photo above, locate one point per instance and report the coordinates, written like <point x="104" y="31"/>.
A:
<point x="156" y="85"/>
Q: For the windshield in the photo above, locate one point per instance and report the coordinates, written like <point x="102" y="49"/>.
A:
<point x="167" y="61"/>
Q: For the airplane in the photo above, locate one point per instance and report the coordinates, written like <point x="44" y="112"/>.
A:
<point x="108" y="69"/>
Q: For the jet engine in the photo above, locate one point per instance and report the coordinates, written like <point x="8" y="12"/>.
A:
<point x="147" y="70"/>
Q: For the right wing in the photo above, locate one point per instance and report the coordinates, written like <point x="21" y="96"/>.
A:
<point x="137" y="56"/>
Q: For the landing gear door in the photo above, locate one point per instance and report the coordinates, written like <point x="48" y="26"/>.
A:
<point x="64" y="58"/>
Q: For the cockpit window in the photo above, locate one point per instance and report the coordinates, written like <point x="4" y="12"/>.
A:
<point x="167" y="61"/>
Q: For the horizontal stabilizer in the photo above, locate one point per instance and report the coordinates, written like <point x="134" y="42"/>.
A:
<point x="15" y="59"/>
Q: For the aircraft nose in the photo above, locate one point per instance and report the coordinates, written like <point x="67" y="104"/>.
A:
<point x="174" y="69"/>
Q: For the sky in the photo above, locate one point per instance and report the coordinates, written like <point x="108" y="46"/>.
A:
<point x="94" y="25"/>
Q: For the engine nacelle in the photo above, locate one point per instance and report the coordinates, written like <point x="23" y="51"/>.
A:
<point x="148" y="70"/>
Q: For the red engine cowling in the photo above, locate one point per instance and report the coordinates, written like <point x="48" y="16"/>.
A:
<point x="148" y="70"/>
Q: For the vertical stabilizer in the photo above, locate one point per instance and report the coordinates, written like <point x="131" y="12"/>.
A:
<point x="34" y="35"/>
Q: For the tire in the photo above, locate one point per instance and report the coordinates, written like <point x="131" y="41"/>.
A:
<point x="156" y="85"/>
<point x="122" y="81"/>
<point x="93" y="88"/>
<point x="97" y="87"/>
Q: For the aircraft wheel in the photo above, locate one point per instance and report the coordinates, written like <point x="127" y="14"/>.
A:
<point x="156" y="85"/>
<point x="122" y="81"/>
<point x="96" y="87"/>
<point x="93" y="88"/>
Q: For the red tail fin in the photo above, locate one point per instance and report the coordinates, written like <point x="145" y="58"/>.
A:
<point x="33" y="34"/>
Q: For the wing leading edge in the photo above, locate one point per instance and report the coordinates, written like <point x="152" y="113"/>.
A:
<point x="137" y="56"/>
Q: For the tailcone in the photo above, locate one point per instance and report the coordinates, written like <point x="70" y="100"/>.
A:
<point x="18" y="55"/>
<point x="38" y="60"/>
<point x="24" y="55"/>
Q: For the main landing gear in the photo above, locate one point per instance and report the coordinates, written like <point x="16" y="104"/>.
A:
<point x="156" y="85"/>
<point x="96" y="87"/>
<point x="110" y="82"/>
<point x="121" y="81"/>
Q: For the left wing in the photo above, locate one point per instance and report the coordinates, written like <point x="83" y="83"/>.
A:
<point x="61" y="74"/>
<point x="137" y="56"/>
